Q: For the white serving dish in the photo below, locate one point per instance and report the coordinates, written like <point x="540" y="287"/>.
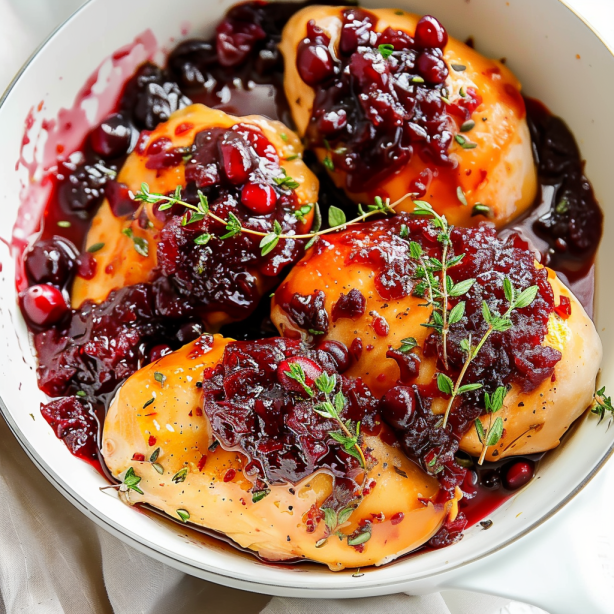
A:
<point x="561" y="62"/>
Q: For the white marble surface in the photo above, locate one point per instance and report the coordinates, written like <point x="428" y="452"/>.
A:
<point x="23" y="26"/>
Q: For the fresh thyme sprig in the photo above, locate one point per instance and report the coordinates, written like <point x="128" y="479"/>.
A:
<point x="130" y="482"/>
<point x="602" y="405"/>
<point x="348" y="438"/>
<point x="438" y="289"/>
<point x="496" y="323"/>
<point x="331" y="410"/>
<point x="492" y="435"/>
<point x="269" y="240"/>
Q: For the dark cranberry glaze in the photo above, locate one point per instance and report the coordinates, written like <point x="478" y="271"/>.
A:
<point x="74" y="421"/>
<point x="239" y="70"/>
<point x="93" y="350"/>
<point x="350" y="305"/>
<point x="565" y="223"/>
<point x="233" y="168"/>
<point x="373" y="112"/>
<point x="308" y="312"/>
<point x="255" y="407"/>
<point x="515" y="356"/>
<point x="99" y="346"/>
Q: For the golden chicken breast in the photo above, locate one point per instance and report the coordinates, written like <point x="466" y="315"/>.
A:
<point x="363" y="288"/>
<point x="249" y="171"/>
<point x="226" y="435"/>
<point x="393" y="106"/>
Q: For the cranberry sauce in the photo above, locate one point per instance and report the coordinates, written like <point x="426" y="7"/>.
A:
<point x="565" y="224"/>
<point x="514" y="356"/>
<point x="91" y="351"/>
<point x="255" y="406"/>
<point x="381" y="99"/>
<point x="395" y="105"/>
<point x="240" y="70"/>
<point x="238" y="171"/>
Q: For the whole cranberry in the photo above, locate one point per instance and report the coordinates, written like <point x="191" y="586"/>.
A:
<point x="339" y="353"/>
<point x="432" y="68"/>
<point x="86" y="265"/>
<point x="314" y="63"/>
<point x="189" y="332"/>
<point x="259" y="198"/>
<point x="112" y="137"/>
<point x="43" y="304"/>
<point x="235" y="158"/>
<point x="397" y="407"/>
<point x="430" y="33"/>
<point x="332" y="122"/>
<point x="518" y="474"/>
<point x="83" y="188"/>
<point x="491" y="480"/>
<point x="311" y="371"/>
<point x="51" y="261"/>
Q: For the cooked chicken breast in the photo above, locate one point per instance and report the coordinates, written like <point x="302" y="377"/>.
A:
<point x="345" y="276"/>
<point x="160" y="408"/>
<point x="490" y="153"/>
<point x="118" y="237"/>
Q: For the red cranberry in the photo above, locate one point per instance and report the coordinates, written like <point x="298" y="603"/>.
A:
<point x="518" y="474"/>
<point x="236" y="158"/>
<point x="236" y="37"/>
<point x="51" y="261"/>
<point x="397" y="407"/>
<point x="83" y="188"/>
<point x="350" y="305"/>
<point x="381" y="326"/>
<point x="262" y="146"/>
<point x="112" y="138"/>
<point x="311" y="370"/>
<point x="563" y="309"/>
<point x="339" y="352"/>
<point x="332" y="122"/>
<point x="356" y="349"/>
<point x="74" y="423"/>
<point x="314" y="63"/>
<point x="432" y="68"/>
<point x="491" y="480"/>
<point x="397" y="518"/>
<point x="430" y="33"/>
<point x="259" y="198"/>
<point x="86" y="266"/>
<point x="409" y="365"/>
<point x="43" y="304"/>
<point x="189" y="332"/>
<point x="158" y="351"/>
<point x="120" y="201"/>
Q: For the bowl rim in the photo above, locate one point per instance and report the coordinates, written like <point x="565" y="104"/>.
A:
<point x="141" y="543"/>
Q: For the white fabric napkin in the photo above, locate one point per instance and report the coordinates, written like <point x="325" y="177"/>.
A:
<point x="54" y="560"/>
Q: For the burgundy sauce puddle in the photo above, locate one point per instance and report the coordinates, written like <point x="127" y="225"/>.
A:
<point x="556" y="225"/>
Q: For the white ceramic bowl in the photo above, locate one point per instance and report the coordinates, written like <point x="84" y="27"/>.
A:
<point x="558" y="59"/>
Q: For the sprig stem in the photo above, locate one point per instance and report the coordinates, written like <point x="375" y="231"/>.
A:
<point x="484" y="446"/>
<point x="444" y="307"/>
<point x="379" y="207"/>
<point x="457" y="385"/>
<point x="517" y="300"/>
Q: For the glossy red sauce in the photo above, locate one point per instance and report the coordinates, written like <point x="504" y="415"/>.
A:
<point x="254" y="405"/>
<point x="379" y="100"/>
<point x="240" y="70"/>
